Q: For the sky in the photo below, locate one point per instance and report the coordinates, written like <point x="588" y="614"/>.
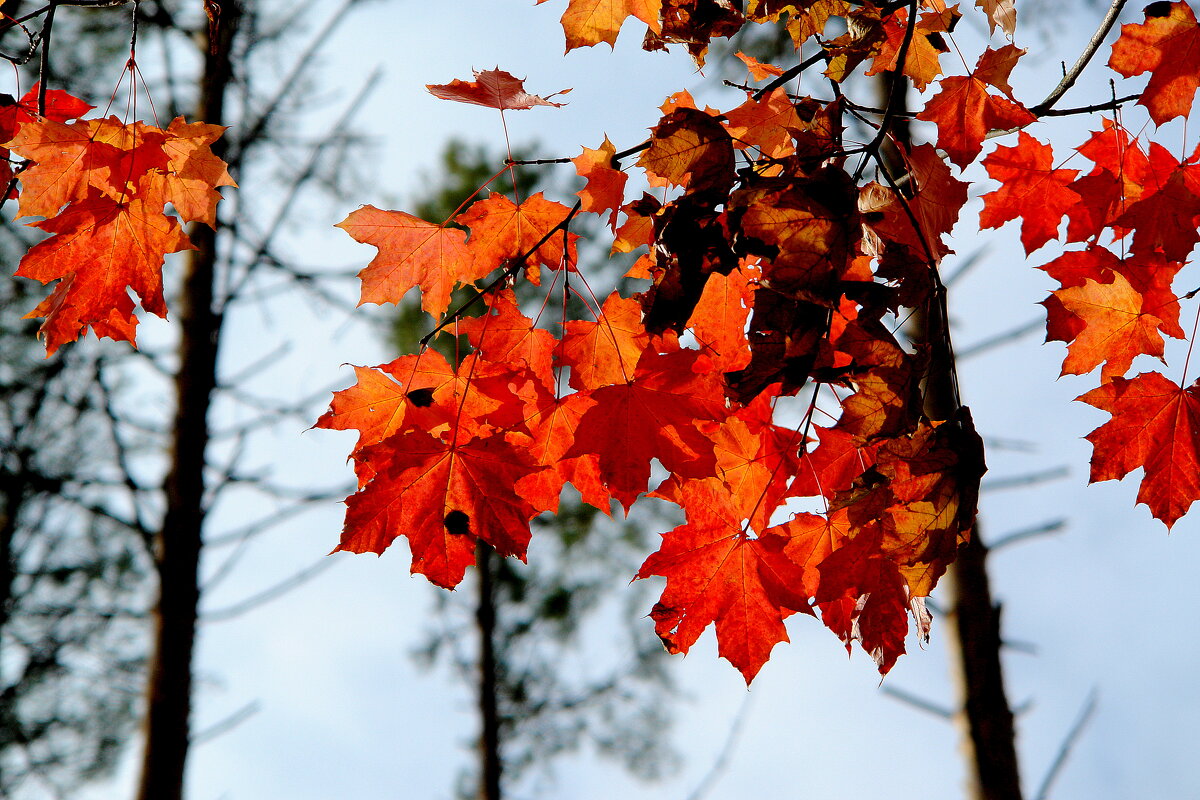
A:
<point x="1106" y="605"/>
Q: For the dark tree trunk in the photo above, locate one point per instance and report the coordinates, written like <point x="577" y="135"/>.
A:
<point x="984" y="715"/>
<point x="489" y="711"/>
<point x="178" y="545"/>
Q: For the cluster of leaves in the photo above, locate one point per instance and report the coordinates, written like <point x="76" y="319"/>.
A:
<point x="101" y="187"/>
<point x="781" y="258"/>
<point x="774" y="265"/>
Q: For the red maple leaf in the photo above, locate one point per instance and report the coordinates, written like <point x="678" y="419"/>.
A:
<point x="493" y="88"/>
<point x="442" y="497"/>
<point x="965" y="112"/>
<point x="719" y="573"/>
<point x="1030" y="188"/>
<point x="1155" y="425"/>
<point x="653" y="414"/>
<point x="1167" y="45"/>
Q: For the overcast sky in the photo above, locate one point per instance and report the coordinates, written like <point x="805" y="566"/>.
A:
<point x="1108" y="604"/>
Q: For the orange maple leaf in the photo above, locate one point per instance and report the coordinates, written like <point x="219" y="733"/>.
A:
<point x="590" y="22"/>
<point x="106" y="247"/>
<point x="605" y="187"/>
<point x="502" y="231"/>
<point x="412" y="252"/>
<point x="1116" y="328"/>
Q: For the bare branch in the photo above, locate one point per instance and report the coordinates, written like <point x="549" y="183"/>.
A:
<point x="267" y="595"/>
<point x="919" y="703"/>
<point x="1073" y="74"/>
<point x="1028" y="479"/>
<point x="1045" y="529"/>
<point x="722" y="761"/>
<point x="1064" y="750"/>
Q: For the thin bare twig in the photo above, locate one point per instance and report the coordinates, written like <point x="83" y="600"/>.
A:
<point x="722" y="761"/>
<point x="1045" y="529"/>
<point x="267" y="595"/>
<point x="919" y="703"/>
<point x="1007" y="337"/>
<point x="1064" y="750"/>
<point x="226" y="725"/>
<point x="1028" y="479"/>
<point x="1073" y="74"/>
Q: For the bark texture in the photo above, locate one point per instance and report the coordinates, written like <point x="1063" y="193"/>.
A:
<point x="179" y="542"/>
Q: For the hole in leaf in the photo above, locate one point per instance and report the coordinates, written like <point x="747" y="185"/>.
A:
<point x="1159" y="9"/>
<point x="421" y="398"/>
<point x="458" y="523"/>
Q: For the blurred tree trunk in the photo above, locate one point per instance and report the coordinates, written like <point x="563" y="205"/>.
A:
<point x="490" y="765"/>
<point x="983" y="713"/>
<point x="169" y="691"/>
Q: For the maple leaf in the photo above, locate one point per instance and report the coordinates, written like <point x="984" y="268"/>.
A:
<point x="60" y="107"/>
<point x="106" y="247"/>
<point x="504" y="334"/>
<point x="1001" y="14"/>
<point x="1150" y="276"/>
<point x="863" y="596"/>
<point x="965" y="112"/>
<point x="441" y="497"/>
<point x="607" y="350"/>
<point x="493" y="88"/>
<point x="926" y="46"/>
<point x="412" y="252"/>
<point x="758" y="70"/>
<point x="689" y="148"/>
<point x="654" y="414"/>
<point x="383" y="397"/>
<point x="193" y="173"/>
<point x="805" y="227"/>
<point x="1166" y="219"/>
<point x="502" y="231"/>
<point x="605" y="185"/>
<point x="1030" y="188"/>
<point x="833" y="465"/>
<point x="1167" y="45"/>
<point x="717" y="573"/>
<point x="720" y="316"/>
<point x="70" y="161"/>
<point x="1155" y="425"/>
<point x="765" y="124"/>
<point x="754" y="461"/>
<point x="590" y="22"/>
<point x="1116" y="328"/>
<point x="1122" y="171"/>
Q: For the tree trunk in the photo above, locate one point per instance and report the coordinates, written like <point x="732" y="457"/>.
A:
<point x="490" y="767"/>
<point x="169" y="690"/>
<point x="984" y="715"/>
